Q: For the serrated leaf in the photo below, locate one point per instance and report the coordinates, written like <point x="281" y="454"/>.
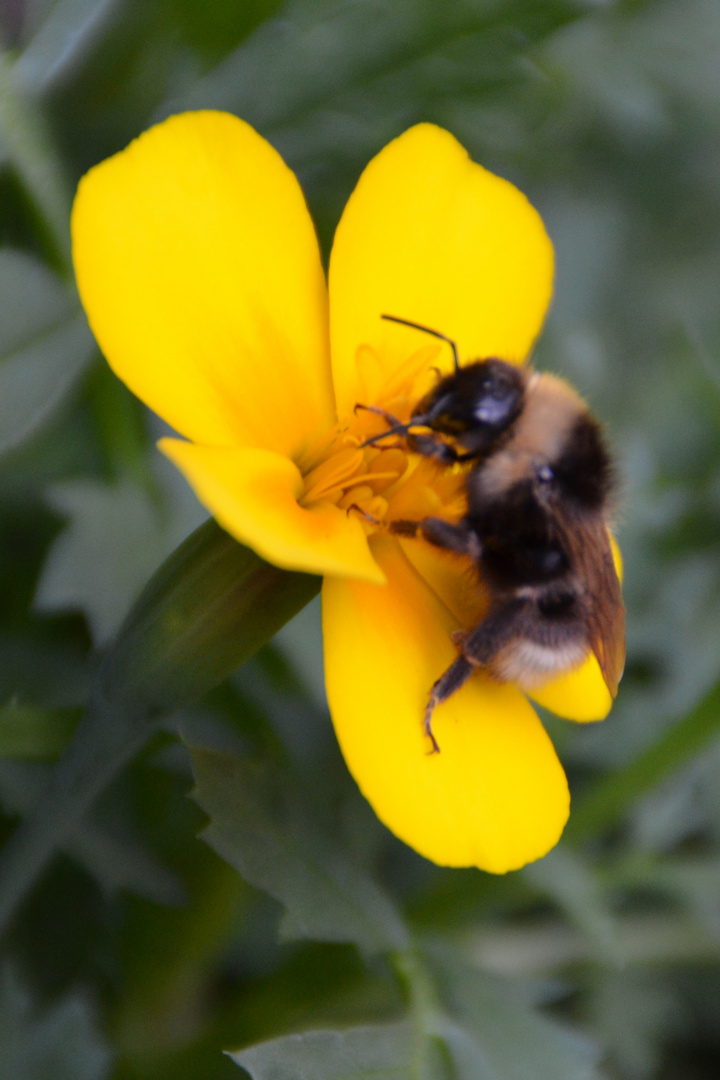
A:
<point x="363" y="1053"/>
<point x="260" y="826"/>
<point x="122" y="864"/>
<point x="208" y="608"/>
<point x="45" y="343"/>
<point x="515" y="1040"/>
<point x="114" y="862"/>
<point x="60" y="1043"/>
<point x="115" y="537"/>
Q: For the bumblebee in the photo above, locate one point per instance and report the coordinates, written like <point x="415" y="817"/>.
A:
<point x="538" y="491"/>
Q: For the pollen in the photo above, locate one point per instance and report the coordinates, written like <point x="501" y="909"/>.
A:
<point x="355" y="476"/>
<point x="383" y="480"/>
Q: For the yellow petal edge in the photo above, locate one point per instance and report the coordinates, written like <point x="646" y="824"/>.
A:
<point x="253" y="494"/>
<point x="197" y="264"/>
<point x="431" y="236"/>
<point x="495" y="796"/>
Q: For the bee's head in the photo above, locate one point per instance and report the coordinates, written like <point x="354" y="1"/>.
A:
<point x="475" y="405"/>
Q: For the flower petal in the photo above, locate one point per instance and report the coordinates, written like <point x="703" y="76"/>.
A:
<point x="199" y="270"/>
<point x="496" y="795"/>
<point x="580" y="695"/>
<point x="453" y="578"/>
<point x="253" y="494"/>
<point x="430" y="236"/>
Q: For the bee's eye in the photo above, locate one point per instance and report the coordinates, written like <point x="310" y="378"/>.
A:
<point x="545" y="474"/>
<point x="476" y="404"/>
<point x="493" y="410"/>
<point x="497" y="401"/>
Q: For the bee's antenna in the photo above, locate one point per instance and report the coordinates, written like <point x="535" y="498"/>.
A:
<point x="427" y="330"/>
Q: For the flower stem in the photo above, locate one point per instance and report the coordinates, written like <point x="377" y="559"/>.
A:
<point x="211" y="605"/>
<point x="424" y="1008"/>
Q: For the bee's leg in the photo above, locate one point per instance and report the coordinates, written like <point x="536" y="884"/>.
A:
<point x="388" y="416"/>
<point x="395" y="427"/>
<point x="432" y="446"/>
<point x="451" y="536"/>
<point x="499" y="626"/>
<point x="364" y="514"/>
<point x="456" y="676"/>
<point x="478" y="647"/>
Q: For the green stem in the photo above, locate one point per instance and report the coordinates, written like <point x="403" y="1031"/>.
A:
<point x="424" y="1007"/>
<point x="101" y="746"/>
<point x="209" y="607"/>
<point x="610" y="798"/>
<point x="29" y="148"/>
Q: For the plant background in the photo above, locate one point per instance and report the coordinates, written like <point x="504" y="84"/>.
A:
<point x="141" y="953"/>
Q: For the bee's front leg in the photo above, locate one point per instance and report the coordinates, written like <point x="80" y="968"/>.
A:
<point x="388" y="417"/>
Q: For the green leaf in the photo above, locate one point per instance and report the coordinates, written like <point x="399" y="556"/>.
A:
<point x="488" y="1032"/>
<point x="171" y="956"/>
<point x="259" y="825"/>
<point x="604" y="804"/>
<point x="26" y="140"/>
<point x="33" y="301"/>
<point x="27" y="731"/>
<point x="115" y="862"/>
<point x="570" y="881"/>
<point x="633" y="1013"/>
<point x="123" y="864"/>
<point x="45" y="343"/>
<point x="209" y="607"/>
<point x="212" y="30"/>
<point x="363" y="1053"/>
<point x="115" y="538"/>
<point x="71" y="29"/>
<point x="469" y="1059"/>
<point x="517" y="1042"/>
<point x="695" y="882"/>
<point x="60" y="1043"/>
<point x="316" y="52"/>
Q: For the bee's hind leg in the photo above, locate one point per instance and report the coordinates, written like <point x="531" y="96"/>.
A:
<point x="456" y="676"/>
<point x="477" y="648"/>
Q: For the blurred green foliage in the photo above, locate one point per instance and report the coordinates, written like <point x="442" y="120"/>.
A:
<point x="273" y="913"/>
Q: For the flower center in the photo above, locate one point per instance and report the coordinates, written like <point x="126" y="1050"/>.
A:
<point x="385" y="480"/>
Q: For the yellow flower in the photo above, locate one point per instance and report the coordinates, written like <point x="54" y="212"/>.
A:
<point x="198" y="266"/>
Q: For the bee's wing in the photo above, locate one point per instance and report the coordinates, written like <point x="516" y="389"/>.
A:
<point x="590" y="543"/>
